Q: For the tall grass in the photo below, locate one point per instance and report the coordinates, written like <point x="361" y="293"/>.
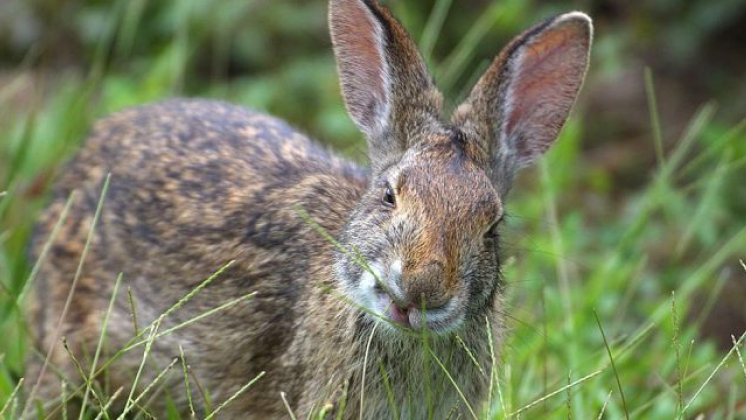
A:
<point x="593" y="329"/>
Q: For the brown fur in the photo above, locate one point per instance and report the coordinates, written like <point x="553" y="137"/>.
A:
<point x="197" y="183"/>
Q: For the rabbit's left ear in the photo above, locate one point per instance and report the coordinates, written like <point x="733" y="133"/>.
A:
<point x="386" y="86"/>
<point x="519" y="106"/>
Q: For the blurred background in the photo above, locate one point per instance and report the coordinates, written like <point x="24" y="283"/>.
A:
<point x="644" y="194"/>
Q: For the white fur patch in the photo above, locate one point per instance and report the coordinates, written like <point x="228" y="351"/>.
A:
<point x="393" y="280"/>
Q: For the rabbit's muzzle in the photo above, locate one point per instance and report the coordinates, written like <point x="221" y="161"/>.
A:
<point x="415" y="297"/>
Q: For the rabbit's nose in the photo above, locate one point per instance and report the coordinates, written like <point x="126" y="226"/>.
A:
<point x="425" y="287"/>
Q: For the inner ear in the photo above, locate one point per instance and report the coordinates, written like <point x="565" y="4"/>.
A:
<point x="545" y="75"/>
<point x="520" y="104"/>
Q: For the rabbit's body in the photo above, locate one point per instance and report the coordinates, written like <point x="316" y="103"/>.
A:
<point x="233" y="205"/>
<point x="240" y="177"/>
<point x="370" y="283"/>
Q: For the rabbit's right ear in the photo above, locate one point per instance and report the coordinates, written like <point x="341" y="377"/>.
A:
<point x="388" y="92"/>
<point x="517" y="109"/>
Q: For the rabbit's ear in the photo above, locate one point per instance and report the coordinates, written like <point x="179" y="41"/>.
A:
<point x="385" y="83"/>
<point x="520" y="104"/>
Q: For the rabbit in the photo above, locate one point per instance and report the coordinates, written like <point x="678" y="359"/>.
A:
<point x="378" y="291"/>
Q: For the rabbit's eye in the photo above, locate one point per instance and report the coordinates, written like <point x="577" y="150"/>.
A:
<point x="388" y="198"/>
<point x="458" y="137"/>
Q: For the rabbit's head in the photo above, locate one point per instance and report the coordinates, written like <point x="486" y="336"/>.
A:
<point x="422" y="241"/>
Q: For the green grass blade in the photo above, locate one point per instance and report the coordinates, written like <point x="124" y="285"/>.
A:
<point x="235" y="395"/>
<point x="613" y="365"/>
<point x="434" y="25"/>
<point x="108" y="404"/>
<point x="654" y="117"/>
<point x="76" y="278"/>
<point x="389" y="390"/>
<point x="738" y="353"/>
<point x="677" y="352"/>
<point x="100" y="345"/>
<point x="454" y="65"/>
<point x="603" y="408"/>
<point x="129" y="405"/>
<point x="12" y="397"/>
<point x="714" y="372"/>
<point x="453" y="382"/>
<point x="365" y="366"/>
<point x="554" y="393"/>
<point x="186" y="382"/>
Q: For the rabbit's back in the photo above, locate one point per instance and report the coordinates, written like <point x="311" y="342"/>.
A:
<point x="194" y="184"/>
<point x="197" y="181"/>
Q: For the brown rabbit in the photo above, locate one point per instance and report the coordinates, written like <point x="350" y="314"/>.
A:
<point x="358" y="325"/>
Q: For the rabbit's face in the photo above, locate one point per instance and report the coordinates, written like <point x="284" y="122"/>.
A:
<point x="422" y="240"/>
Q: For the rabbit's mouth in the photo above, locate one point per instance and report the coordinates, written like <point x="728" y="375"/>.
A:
<point x="378" y="291"/>
<point x="441" y="320"/>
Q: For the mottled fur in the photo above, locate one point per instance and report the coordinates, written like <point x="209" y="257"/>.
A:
<point x="198" y="183"/>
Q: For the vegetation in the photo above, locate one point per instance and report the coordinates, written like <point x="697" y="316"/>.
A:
<point x="613" y="274"/>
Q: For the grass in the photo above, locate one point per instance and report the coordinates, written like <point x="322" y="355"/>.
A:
<point x="577" y="256"/>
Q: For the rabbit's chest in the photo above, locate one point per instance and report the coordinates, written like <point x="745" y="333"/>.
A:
<point x="416" y="385"/>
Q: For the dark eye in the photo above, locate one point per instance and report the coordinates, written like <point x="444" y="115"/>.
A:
<point x="458" y="137"/>
<point x="388" y="198"/>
